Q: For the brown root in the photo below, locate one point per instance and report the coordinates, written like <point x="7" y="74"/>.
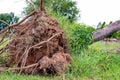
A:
<point x="38" y="44"/>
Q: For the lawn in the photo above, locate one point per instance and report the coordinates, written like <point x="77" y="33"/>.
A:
<point x="94" y="63"/>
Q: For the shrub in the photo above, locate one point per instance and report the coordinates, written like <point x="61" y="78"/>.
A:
<point x="81" y="37"/>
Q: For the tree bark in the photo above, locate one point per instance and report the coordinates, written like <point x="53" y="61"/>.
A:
<point x="104" y="32"/>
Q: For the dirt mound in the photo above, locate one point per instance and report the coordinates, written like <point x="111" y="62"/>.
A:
<point x="38" y="44"/>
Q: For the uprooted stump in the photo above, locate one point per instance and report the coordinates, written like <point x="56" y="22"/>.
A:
<point x="38" y="44"/>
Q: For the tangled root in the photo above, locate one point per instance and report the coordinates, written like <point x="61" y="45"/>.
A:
<point x="57" y="63"/>
<point x="38" y="44"/>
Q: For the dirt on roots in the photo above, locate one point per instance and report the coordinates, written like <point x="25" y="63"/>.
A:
<point x="38" y="44"/>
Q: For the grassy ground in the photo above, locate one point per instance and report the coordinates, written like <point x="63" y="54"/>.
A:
<point x="3" y="57"/>
<point x="95" y="63"/>
<point x="112" y="47"/>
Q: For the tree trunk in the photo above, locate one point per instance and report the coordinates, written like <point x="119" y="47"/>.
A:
<point x="104" y="32"/>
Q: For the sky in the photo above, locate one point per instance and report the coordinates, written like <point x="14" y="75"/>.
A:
<point x="95" y="11"/>
<point x="16" y="6"/>
<point x="92" y="11"/>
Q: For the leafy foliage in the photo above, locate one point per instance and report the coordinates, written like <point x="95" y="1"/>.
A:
<point x="67" y="8"/>
<point x="81" y="37"/>
<point x="116" y="35"/>
<point x="10" y="18"/>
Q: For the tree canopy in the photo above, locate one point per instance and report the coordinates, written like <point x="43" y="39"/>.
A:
<point x="9" y="18"/>
<point x="67" y="8"/>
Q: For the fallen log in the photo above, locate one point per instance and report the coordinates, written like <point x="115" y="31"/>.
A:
<point x="106" y="31"/>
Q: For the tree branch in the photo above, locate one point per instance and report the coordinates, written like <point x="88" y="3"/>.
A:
<point x="6" y="28"/>
<point x="4" y="22"/>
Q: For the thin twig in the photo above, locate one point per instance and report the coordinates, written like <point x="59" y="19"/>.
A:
<point x="4" y="22"/>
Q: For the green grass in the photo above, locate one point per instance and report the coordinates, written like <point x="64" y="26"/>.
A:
<point x="97" y="65"/>
<point x="13" y="76"/>
<point x="111" y="47"/>
<point x="4" y="56"/>
<point x="89" y="64"/>
<point x="5" y="41"/>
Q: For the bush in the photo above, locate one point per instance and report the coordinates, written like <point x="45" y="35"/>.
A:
<point x="81" y="37"/>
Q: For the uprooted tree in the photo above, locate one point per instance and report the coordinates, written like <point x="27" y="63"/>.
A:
<point x="37" y="44"/>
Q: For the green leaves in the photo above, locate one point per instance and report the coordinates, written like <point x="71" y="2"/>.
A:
<point x="116" y="35"/>
<point x="10" y="18"/>
<point x="81" y="37"/>
<point x="67" y="8"/>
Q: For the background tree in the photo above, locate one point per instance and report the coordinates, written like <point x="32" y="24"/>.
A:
<point x="9" y="18"/>
<point x="67" y="8"/>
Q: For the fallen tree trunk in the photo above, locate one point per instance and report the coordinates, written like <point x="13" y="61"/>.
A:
<point x="105" y="32"/>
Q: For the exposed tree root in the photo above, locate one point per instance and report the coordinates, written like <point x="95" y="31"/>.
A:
<point x="37" y="45"/>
